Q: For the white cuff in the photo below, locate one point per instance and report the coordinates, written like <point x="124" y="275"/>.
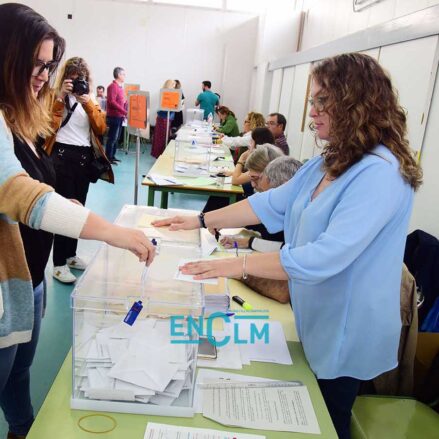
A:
<point x="63" y="217"/>
<point x="265" y="246"/>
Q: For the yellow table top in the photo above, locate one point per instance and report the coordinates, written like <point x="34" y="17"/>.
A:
<point x="164" y="166"/>
<point x="57" y="420"/>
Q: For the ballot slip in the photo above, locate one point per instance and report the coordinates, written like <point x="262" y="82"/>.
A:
<point x="277" y="406"/>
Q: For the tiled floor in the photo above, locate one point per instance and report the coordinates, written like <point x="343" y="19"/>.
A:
<point x="56" y="331"/>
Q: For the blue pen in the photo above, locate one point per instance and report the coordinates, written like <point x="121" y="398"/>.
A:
<point x="235" y="244"/>
<point x="154" y="241"/>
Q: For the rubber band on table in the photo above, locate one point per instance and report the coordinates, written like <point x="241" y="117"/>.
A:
<point x="97" y="415"/>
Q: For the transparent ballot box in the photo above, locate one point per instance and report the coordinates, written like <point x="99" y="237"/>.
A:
<point x="192" y="158"/>
<point x="147" y="367"/>
<point x="194" y="114"/>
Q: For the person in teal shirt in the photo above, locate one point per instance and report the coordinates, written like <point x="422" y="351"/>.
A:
<point x="207" y="100"/>
<point x="228" y="125"/>
<point x="345" y="216"/>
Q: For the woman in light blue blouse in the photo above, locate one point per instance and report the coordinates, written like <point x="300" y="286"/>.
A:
<point x="345" y="215"/>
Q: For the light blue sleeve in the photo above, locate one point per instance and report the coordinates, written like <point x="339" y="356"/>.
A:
<point x="270" y="206"/>
<point x="9" y="164"/>
<point x="367" y="205"/>
<point x="38" y="211"/>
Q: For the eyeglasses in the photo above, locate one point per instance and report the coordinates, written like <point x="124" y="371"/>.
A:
<point x="40" y="66"/>
<point x="271" y="122"/>
<point x="246" y="121"/>
<point x="318" y="103"/>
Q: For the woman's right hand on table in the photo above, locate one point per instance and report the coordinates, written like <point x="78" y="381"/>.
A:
<point x="179" y="223"/>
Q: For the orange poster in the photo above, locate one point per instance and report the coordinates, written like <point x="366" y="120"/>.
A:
<point x="137" y="116"/>
<point x="170" y="100"/>
<point x="130" y="87"/>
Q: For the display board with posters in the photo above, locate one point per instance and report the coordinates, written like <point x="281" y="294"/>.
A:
<point x="170" y="99"/>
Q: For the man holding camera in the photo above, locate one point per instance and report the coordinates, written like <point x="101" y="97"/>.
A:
<point x="116" y="112"/>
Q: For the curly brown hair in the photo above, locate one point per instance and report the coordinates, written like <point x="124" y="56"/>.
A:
<point x="73" y="66"/>
<point x="256" y="120"/>
<point x="364" y="111"/>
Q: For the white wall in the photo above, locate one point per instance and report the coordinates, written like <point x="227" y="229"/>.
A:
<point x="156" y="42"/>
<point x="278" y="35"/>
<point x="327" y="20"/>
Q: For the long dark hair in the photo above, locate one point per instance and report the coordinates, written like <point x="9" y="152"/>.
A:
<point x="262" y="135"/>
<point x="364" y="111"/>
<point x="22" y="31"/>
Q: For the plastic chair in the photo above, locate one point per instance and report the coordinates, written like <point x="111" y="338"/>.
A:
<point x="383" y="417"/>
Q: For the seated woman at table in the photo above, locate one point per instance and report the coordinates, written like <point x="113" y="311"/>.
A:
<point x="345" y="216"/>
<point x="161" y="122"/>
<point x="228" y="124"/>
<point x="258" y="136"/>
<point x="240" y="143"/>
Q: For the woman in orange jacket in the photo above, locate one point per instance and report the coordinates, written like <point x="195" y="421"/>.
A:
<point x="77" y="120"/>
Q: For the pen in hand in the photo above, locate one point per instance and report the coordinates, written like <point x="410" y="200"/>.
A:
<point x="235" y="245"/>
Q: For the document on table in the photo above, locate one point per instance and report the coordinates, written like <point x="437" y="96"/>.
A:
<point x="163" y="431"/>
<point x="278" y="406"/>
<point x="189" y="277"/>
<point x="164" y="180"/>
<point x="207" y="376"/>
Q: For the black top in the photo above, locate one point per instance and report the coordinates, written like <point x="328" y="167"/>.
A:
<point x="37" y="243"/>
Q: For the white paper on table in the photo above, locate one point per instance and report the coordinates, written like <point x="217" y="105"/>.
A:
<point x="163" y="431"/>
<point x="275" y="351"/>
<point x="208" y="242"/>
<point x="164" y="180"/>
<point x="205" y="376"/>
<point x="262" y="407"/>
<point x="189" y="278"/>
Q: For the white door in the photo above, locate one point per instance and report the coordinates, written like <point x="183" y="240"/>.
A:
<point x="412" y="66"/>
<point x="276" y="87"/>
<point x="298" y="106"/>
<point x="286" y="91"/>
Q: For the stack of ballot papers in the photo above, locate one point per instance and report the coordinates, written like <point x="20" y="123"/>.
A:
<point x="249" y="348"/>
<point x="133" y="363"/>
<point x="216" y="303"/>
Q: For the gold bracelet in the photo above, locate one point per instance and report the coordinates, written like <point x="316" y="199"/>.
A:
<point x="244" y="263"/>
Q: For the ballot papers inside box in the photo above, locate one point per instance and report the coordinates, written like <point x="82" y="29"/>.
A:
<point x="193" y="158"/>
<point x="139" y="368"/>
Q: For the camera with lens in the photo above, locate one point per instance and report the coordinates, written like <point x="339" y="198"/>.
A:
<point x="80" y="87"/>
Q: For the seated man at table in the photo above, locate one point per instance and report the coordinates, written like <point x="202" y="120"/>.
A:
<point x="277" y="123"/>
<point x="276" y="173"/>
